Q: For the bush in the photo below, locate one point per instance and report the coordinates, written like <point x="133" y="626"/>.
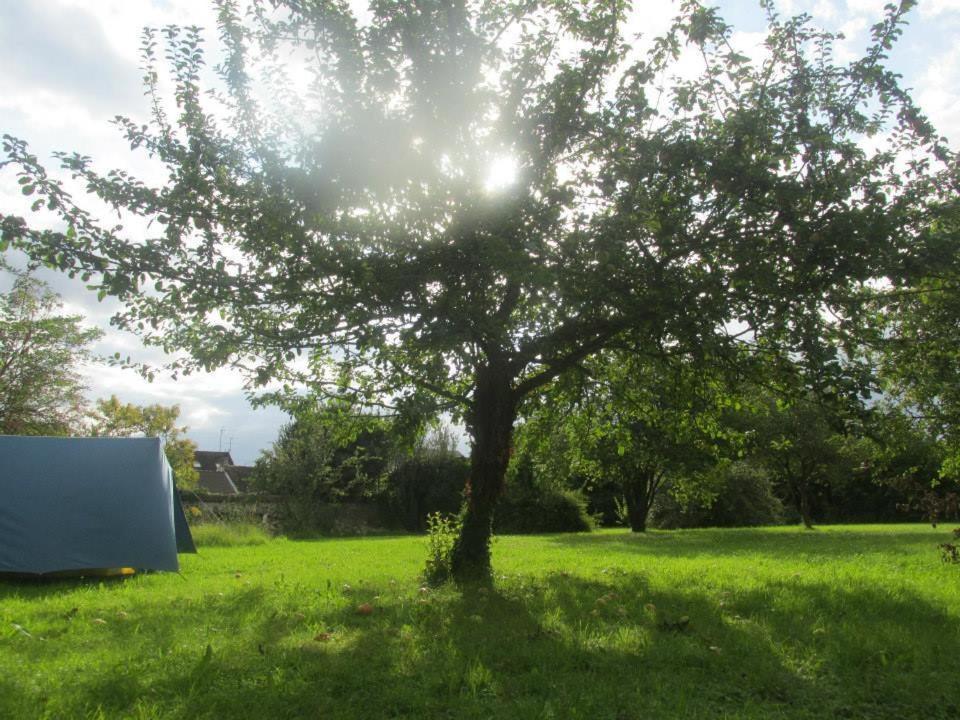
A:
<point x="531" y="505"/>
<point x="742" y="496"/>
<point x="228" y="534"/>
<point x="442" y="532"/>
<point x="423" y="486"/>
<point x="546" y="511"/>
<point x="434" y="484"/>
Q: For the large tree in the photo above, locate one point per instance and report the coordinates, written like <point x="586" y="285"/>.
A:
<point x="332" y="196"/>
<point x="41" y="351"/>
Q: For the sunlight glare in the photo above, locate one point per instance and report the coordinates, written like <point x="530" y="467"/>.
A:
<point x="502" y="173"/>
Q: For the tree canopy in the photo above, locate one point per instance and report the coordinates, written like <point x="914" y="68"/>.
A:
<point x="919" y="348"/>
<point x="328" y="214"/>
<point x="41" y="350"/>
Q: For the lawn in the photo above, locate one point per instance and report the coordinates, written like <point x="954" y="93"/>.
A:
<point x="847" y="622"/>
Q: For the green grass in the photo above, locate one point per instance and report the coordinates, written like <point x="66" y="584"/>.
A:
<point x="847" y="622"/>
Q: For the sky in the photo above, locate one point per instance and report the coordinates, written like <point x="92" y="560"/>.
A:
<point x="68" y="66"/>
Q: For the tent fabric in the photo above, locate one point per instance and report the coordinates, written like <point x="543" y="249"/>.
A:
<point x="85" y="503"/>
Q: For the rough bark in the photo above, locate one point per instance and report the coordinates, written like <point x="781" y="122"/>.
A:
<point x="492" y="414"/>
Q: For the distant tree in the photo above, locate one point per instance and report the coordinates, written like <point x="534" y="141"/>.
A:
<point x="909" y="459"/>
<point x="439" y="439"/>
<point x="632" y="423"/>
<point x="41" y="351"/>
<point x="806" y="443"/>
<point x="731" y="494"/>
<point x="329" y="452"/>
<point x="355" y="222"/>
<point x="112" y="418"/>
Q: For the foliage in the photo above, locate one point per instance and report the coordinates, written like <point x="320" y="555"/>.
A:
<point x="351" y="223"/>
<point x="328" y="453"/>
<point x="41" y="351"/>
<point x="918" y="348"/>
<point x="855" y="622"/>
<point x="806" y="432"/>
<point x="115" y="419"/>
<point x="442" y="531"/>
<point x="737" y="494"/>
<point x="629" y="424"/>
<point x="548" y="511"/>
<point x="532" y="505"/>
<point x="438" y="441"/>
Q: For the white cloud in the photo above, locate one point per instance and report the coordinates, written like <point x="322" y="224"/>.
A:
<point x="935" y="8"/>
<point x="938" y="93"/>
<point x="870" y="8"/>
<point x="787" y="7"/>
<point x="750" y="44"/>
<point x="825" y="10"/>
<point x="203" y="416"/>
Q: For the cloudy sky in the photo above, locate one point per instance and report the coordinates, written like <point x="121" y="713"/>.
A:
<point x="68" y="66"/>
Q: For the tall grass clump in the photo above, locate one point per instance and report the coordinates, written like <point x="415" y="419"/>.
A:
<point x="442" y="532"/>
<point x="229" y="534"/>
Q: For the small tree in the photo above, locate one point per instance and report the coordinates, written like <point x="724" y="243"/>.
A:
<point x="354" y="221"/>
<point x="41" y="389"/>
<point x="806" y="443"/>
<point x="115" y="419"/>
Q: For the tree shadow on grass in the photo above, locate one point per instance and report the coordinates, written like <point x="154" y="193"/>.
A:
<point x="558" y="646"/>
<point x="23" y="585"/>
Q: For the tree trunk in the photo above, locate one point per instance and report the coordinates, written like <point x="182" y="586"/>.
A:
<point x="490" y="421"/>
<point x="638" y="496"/>
<point x="805" y="512"/>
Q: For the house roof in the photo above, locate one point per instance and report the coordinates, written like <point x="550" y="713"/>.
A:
<point x="213" y="468"/>
<point x="215" y="481"/>
<point x="210" y="459"/>
<point x="240" y="475"/>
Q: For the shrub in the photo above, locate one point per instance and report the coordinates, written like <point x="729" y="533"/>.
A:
<point x="307" y="520"/>
<point x="442" y="532"/>
<point x="425" y="486"/>
<point x="742" y="496"/>
<point x="547" y="511"/>
<point x="228" y="534"/>
<point x="530" y="505"/>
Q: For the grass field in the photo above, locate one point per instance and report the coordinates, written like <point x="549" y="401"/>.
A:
<point x="845" y="622"/>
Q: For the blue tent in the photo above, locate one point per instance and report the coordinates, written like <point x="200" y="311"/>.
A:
<point x="71" y="504"/>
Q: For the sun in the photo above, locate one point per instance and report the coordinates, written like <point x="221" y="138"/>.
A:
<point x="501" y="174"/>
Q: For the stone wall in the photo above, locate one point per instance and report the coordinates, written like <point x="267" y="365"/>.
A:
<point x="281" y="515"/>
